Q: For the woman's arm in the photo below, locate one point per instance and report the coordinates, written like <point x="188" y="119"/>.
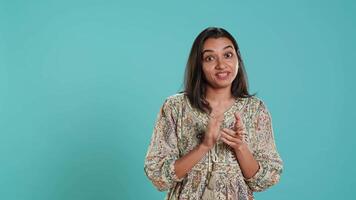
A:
<point x="265" y="152"/>
<point x="235" y="138"/>
<point x="184" y="164"/>
<point x="163" y="149"/>
<point x="261" y="165"/>
<point x="248" y="164"/>
<point x="163" y="164"/>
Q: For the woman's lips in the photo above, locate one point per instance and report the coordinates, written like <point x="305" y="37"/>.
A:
<point x="222" y="75"/>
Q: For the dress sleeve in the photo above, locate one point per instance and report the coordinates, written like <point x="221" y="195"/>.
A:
<point x="163" y="150"/>
<point x="265" y="152"/>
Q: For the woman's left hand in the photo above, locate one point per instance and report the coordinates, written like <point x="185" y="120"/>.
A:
<point x="235" y="138"/>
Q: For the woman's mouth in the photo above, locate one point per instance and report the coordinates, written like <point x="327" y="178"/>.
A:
<point x="222" y="75"/>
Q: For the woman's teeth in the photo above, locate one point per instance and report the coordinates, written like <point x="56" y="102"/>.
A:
<point x="222" y="75"/>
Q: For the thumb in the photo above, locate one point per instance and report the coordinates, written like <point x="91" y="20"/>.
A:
<point x="237" y="120"/>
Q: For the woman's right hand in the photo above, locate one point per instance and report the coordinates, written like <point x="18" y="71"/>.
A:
<point x="185" y="163"/>
<point x="213" y="130"/>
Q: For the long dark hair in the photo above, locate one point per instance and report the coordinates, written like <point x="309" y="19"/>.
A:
<point x="194" y="81"/>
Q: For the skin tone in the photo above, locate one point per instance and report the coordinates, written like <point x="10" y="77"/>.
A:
<point x="220" y="67"/>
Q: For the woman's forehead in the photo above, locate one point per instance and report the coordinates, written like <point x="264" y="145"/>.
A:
<point x="217" y="44"/>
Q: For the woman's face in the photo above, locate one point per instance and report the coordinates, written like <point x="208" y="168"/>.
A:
<point x="220" y="62"/>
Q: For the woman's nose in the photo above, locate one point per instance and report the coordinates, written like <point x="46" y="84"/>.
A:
<point x="219" y="64"/>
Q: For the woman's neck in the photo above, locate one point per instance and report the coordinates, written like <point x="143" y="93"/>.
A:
<point x="218" y="95"/>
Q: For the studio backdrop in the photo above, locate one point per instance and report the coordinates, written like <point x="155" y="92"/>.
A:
<point x="82" y="82"/>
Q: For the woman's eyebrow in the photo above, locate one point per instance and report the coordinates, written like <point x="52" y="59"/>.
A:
<point x="209" y="50"/>
<point x="229" y="46"/>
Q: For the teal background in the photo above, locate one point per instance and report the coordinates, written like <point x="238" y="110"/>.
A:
<point x="81" y="83"/>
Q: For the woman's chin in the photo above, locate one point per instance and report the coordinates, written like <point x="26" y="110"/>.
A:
<point x="221" y="85"/>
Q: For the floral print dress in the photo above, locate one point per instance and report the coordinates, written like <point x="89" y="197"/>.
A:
<point x="179" y="128"/>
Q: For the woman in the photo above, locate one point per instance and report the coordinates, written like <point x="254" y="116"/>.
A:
<point x="214" y="140"/>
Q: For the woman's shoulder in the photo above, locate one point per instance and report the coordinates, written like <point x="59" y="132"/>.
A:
<point x="255" y="104"/>
<point x="253" y="101"/>
<point x="178" y="97"/>
<point x="175" y="100"/>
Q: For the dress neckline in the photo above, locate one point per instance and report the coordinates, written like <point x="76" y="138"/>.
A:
<point x="235" y="107"/>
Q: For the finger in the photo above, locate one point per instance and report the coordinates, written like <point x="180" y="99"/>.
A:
<point x="240" y="131"/>
<point x="237" y="138"/>
<point x="237" y="121"/>
<point x="228" y="142"/>
<point x="239" y="125"/>
<point x="229" y="131"/>
<point x="227" y="136"/>
<point x="231" y="144"/>
<point x="237" y="116"/>
<point x="233" y="134"/>
<point x="230" y="138"/>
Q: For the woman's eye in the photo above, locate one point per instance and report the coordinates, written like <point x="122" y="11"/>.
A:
<point x="228" y="55"/>
<point x="209" y="58"/>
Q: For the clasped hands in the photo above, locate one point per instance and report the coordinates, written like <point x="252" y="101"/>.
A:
<point x="232" y="137"/>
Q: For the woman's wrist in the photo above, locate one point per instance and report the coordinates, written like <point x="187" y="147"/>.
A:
<point x="205" y="148"/>
<point x="242" y="149"/>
